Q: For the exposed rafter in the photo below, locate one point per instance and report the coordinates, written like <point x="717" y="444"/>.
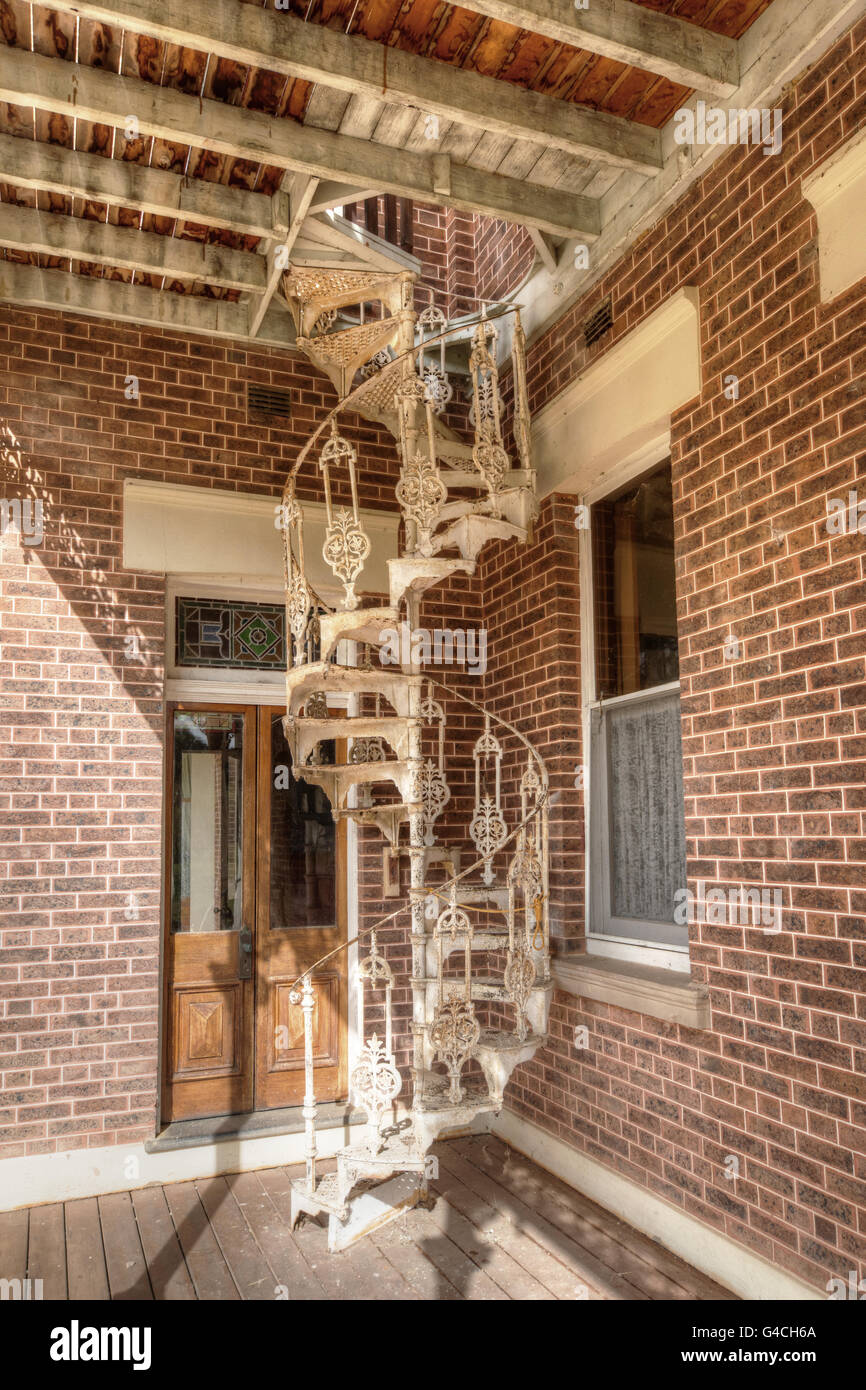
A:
<point x="628" y="33"/>
<point x="113" y="299"/>
<point x="281" y="42"/>
<point x="50" y="84"/>
<point x="33" y="165"/>
<point x="52" y="234"/>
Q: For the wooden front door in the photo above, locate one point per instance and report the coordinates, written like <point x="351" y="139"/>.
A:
<point x="256" y="894"/>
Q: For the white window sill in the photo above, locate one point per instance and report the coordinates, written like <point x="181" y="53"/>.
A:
<point x="643" y="989"/>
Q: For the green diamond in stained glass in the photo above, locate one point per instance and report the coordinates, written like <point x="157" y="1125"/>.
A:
<point x="258" y="636"/>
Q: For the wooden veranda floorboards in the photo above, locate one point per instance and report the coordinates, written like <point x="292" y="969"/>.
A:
<point x="500" y="1228"/>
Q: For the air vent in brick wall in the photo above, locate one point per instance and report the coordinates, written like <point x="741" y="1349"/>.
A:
<point x="597" y="324"/>
<point x="269" y="400"/>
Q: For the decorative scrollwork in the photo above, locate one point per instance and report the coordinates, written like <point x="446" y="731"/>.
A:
<point x="346" y="547"/>
<point x="437" y="388"/>
<point x="298" y="608"/>
<point x="453" y="1034"/>
<point x="421" y="492"/>
<point x="453" y="919"/>
<point x="379" y="360"/>
<point x="520" y="977"/>
<point x="488" y="831"/>
<point x="487" y="743"/>
<point x="434" y="795"/>
<point x="375" y="1081"/>
<point x="530" y="782"/>
<point x="316" y="705"/>
<point x="525" y="870"/>
<point x="491" y="461"/>
<point x="367" y="750"/>
<point x="374" y="969"/>
<point x="326" y="320"/>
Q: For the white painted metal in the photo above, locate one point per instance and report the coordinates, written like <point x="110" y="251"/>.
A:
<point x="450" y="909"/>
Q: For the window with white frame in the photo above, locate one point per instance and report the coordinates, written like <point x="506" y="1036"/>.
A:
<point x="632" y="717"/>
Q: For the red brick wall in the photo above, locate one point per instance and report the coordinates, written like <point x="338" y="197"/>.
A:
<point x="774" y="744"/>
<point x="504" y="254"/>
<point x="82" y="722"/>
<point x="468" y="258"/>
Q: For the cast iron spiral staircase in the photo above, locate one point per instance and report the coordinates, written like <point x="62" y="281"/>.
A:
<point x="491" y="916"/>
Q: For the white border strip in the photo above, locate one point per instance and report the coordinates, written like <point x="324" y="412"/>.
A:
<point x="61" y="1177"/>
<point x="731" y="1265"/>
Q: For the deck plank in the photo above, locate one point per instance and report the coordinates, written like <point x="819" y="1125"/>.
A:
<point x="593" y="1228"/>
<point x="14" y="1227"/>
<point x="250" y="1270"/>
<point x="434" y="1240"/>
<point x="209" y="1272"/>
<point x="476" y="1197"/>
<point x="646" y="1265"/>
<point x="592" y="1267"/>
<point x="462" y="1222"/>
<point x="124" y="1257"/>
<point x="360" y="1274"/>
<point x="652" y="1254"/>
<point x="86" y="1275"/>
<point x="46" y="1252"/>
<point x="395" y="1243"/>
<point x="273" y="1237"/>
<point x="169" y="1277"/>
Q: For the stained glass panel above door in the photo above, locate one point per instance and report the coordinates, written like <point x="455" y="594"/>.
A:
<point x="225" y="632"/>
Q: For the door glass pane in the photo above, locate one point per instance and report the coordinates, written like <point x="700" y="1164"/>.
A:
<point x="634" y="587"/>
<point x="645" y="806"/>
<point x="303" y="842"/>
<point x="207" y="849"/>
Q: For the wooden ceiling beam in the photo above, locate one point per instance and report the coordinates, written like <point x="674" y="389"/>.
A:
<point x="68" y="173"/>
<point x="127" y="248"/>
<point x="281" y="42"/>
<point x="92" y="94"/>
<point x="33" y="287"/>
<point x="628" y="33"/>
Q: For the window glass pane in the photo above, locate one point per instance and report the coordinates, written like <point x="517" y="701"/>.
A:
<point x="303" y="842"/>
<point x="645" y="807"/>
<point x="634" y="587"/>
<point x="207" y="822"/>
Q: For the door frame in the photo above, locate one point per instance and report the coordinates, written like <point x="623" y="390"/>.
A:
<point x="239" y="695"/>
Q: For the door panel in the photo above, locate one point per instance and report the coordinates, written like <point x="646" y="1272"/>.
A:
<point x="207" y="1027"/>
<point x="209" y="992"/>
<point x="287" y="1024"/>
<point x="301" y="916"/>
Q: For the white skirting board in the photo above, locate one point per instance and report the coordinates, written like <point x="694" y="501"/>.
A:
<point x="731" y="1265"/>
<point x="74" y="1173"/>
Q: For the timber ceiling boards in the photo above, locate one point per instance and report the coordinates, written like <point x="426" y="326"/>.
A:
<point x="208" y="125"/>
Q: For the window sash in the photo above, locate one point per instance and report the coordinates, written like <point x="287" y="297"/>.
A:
<point x="604" y="920"/>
